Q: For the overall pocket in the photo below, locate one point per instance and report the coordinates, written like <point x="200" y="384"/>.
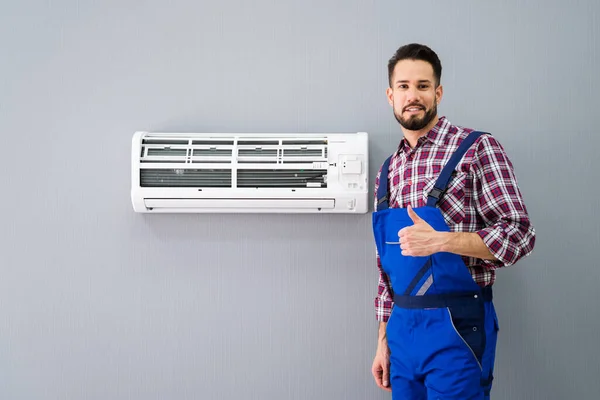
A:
<point x="489" y="356"/>
<point x="469" y="324"/>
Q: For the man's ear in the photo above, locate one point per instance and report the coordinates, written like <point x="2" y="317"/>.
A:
<point x="439" y="93"/>
<point x="390" y="96"/>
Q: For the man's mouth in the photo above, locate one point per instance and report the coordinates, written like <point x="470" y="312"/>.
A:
<point x="414" y="108"/>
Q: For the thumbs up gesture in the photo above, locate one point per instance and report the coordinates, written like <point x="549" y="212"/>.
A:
<point x="419" y="239"/>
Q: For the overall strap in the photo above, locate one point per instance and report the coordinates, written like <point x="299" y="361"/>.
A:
<point x="442" y="182"/>
<point x="382" y="190"/>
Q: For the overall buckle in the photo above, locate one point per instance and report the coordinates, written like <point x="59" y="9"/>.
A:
<point x="436" y="193"/>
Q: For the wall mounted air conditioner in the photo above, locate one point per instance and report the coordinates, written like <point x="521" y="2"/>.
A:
<point x="249" y="173"/>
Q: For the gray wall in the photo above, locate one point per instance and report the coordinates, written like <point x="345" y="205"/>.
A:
<point x="100" y="303"/>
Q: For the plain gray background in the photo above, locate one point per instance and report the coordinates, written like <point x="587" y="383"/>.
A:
<point x="97" y="302"/>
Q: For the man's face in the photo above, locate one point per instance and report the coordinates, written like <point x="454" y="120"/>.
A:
<point x="413" y="95"/>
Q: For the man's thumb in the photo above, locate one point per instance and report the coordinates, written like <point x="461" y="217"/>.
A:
<point x="413" y="215"/>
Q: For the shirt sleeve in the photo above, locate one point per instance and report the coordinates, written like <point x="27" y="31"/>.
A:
<point x="383" y="300"/>
<point x="509" y="234"/>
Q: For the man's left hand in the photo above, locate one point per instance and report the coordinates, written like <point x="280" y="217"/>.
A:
<point x="419" y="239"/>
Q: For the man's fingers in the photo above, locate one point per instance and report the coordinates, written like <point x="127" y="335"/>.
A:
<point x="382" y="377"/>
<point x="404" y="231"/>
<point x="377" y="374"/>
<point x="386" y="376"/>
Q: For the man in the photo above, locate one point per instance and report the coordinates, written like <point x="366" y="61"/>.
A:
<point x="448" y="213"/>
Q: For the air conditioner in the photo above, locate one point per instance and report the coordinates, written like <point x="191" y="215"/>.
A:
<point x="249" y="173"/>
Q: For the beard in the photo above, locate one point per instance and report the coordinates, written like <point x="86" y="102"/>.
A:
<point x="415" y="123"/>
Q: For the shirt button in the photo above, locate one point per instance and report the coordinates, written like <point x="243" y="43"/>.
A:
<point x="409" y="182"/>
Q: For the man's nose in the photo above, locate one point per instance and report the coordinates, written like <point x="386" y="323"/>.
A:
<point x="412" y="96"/>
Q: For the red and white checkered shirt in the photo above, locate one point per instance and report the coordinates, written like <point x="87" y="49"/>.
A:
<point x="482" y="197"/>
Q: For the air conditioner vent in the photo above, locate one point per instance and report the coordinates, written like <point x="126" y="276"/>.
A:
<point x="164" y="154"/>
<point x="166" y="141"/>
<point x="281" y="178"/>
<point x="213" y="142"/>
<point x="197" y="178"/>
<point x="304" y="142"/>
<point x="258" y="142"/>
<point x="257" y="156"/>
<point x="167" y="151"/>
<point x="214" y="152"/>
<point x="211" y="155"/>
<point x="303" y="153"/>
<point x="257" y="152"/>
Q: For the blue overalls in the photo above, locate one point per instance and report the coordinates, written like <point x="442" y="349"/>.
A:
<point x="443" y="327"/>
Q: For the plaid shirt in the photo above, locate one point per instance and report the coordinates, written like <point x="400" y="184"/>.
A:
<point x="482" y="197"/>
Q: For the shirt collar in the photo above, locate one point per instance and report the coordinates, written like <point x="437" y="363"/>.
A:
<point x="436" y="135"/>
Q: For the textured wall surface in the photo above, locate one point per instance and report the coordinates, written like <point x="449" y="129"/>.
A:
<point x="97" y="302"/>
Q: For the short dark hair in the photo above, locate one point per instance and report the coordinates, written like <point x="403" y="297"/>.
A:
<point x="416" y="51"/>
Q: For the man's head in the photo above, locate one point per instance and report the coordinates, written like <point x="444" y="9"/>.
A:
<point x="414" y="74"/>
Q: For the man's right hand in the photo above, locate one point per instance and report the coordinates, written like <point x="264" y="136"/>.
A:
<point x="381" y="367"/>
